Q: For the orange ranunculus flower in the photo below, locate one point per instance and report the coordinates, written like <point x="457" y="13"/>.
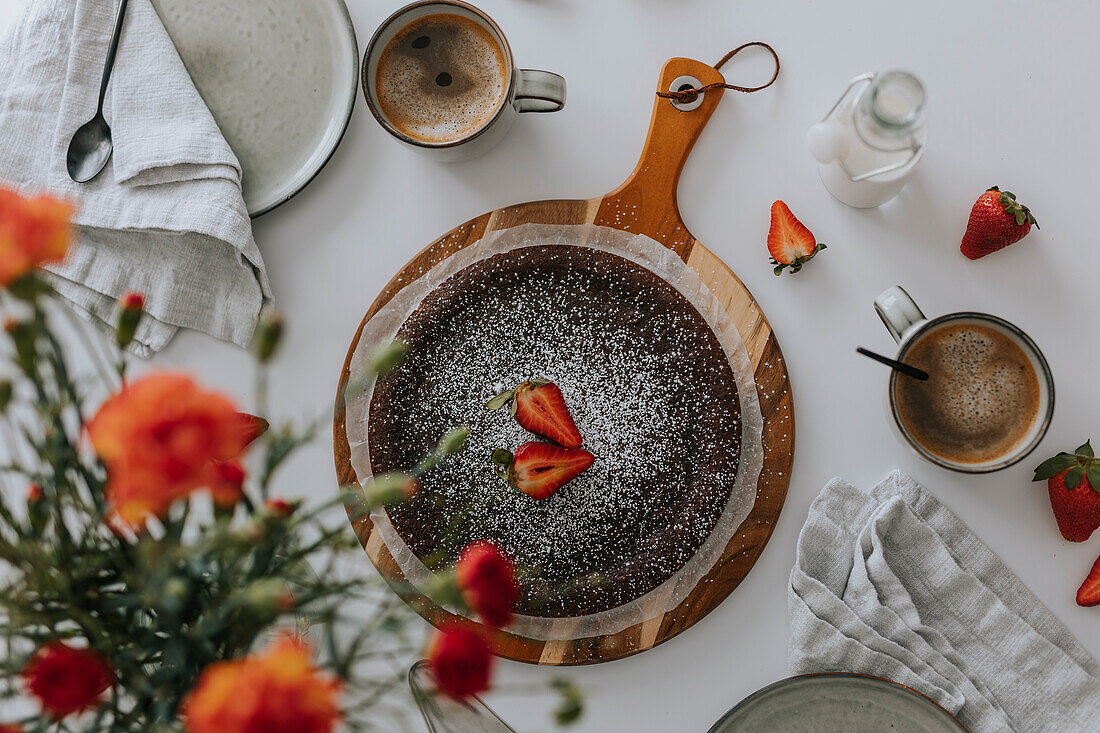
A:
<point x="66" y="679"/>
<point x="162" y="437"/>
<point x="33" y="231"/>
<point x="276" y="691"/>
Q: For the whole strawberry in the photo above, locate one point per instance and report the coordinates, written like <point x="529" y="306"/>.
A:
<point x="790" y="243"/>
<point x="1073" y="480"/>
<point x="996" y="221"/>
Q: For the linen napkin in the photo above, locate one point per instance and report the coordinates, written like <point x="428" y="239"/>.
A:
<point x="894" y="585"/>
<point x="166" y="217"/>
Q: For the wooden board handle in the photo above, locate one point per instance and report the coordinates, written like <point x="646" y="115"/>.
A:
<point x="650" y="191"/>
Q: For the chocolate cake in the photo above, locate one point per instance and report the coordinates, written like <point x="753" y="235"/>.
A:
<point x="647" y="382"/>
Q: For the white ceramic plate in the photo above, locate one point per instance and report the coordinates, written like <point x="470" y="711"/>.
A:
<point x="279" y="76"/>
<point x="828" y="703"/>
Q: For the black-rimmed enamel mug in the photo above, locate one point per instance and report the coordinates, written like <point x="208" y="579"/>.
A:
<point x="909" y="326"/>
<point x="527" y="90"/>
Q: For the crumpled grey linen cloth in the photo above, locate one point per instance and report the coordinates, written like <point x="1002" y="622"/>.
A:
<point x="166" y="217"/>
<point x="894" y="585"/>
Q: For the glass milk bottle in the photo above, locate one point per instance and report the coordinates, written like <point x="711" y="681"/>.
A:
<point x="872" y="138"/>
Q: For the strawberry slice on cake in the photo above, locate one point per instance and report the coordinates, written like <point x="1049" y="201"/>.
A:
<point x="540" y="469"/>
<point x="538" y="405"/>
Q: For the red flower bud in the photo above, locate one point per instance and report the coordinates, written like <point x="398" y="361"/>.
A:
<point x="391" y="488"/>
<point x="226" y="482"/>
<point x="280" y="507"/>
<point x="285" y="602"/>
<point x="132" y="301"/>
<point x="487" y="580"/>
<point x="132" y="307"/>
<point x="461" y="660"/>
<point x="268" y="334"/>
<point x="66" y="679"/>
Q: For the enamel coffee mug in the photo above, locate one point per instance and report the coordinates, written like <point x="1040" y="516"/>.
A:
<point x="989" y="398"/>
<point x="439" y="76"/>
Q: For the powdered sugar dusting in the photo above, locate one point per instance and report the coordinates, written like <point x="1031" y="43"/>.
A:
<point x="647" y="383"/>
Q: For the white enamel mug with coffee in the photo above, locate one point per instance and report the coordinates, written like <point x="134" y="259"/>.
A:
<point x="989" y="398"/>
<point x="440" y="77"/>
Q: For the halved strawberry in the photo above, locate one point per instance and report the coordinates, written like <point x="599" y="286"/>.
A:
<point x="540" y="469"/>
<point x="539" y="406"/>
<point x="1089" y="592"/>
<point x="791" y="244"/>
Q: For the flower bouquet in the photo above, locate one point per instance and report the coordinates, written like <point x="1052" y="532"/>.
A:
<point x="151" y="582"/>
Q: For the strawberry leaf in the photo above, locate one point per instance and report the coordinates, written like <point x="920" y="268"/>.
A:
<point x="500" y="400"/>
<point x="1051" y="467"/>
<point x="501" y="457"/>
<point x="1074" y="476"/>
<point x="1021" y="217"/>
<point x="1093" y="474"/>
<point x="1086" y="450"/>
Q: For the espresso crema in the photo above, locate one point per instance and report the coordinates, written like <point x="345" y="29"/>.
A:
<point x="441" y="78"/>
<point x="982" y="397"/>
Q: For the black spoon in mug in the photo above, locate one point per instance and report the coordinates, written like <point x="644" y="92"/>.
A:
<point x="90" y="147"/>
<point x="906" y="369"/>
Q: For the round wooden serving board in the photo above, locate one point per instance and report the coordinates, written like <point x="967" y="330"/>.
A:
<point x="646" y="204"/>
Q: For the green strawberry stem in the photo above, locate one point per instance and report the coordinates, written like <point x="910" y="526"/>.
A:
<point x="798" y="262"/>
<point x="502" y="460"/>
<point x="1077" y="465"/>
<point x="1015" y="209"/>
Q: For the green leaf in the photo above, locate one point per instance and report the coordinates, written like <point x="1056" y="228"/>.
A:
<point x="501" y="457"/>
<point x="778" y="270"/>
<point x="454" y="440"/>
<point x="500" y="400"/>
<point x="571" y="704"/>
<point x="1020" y="218"/>
<point x="568" y="712"/>
<point x="1053" y="466"/>
<point x="1086" y="450"/>
<point x="387" y="357"/>
<point x="1074" y="476"/>
<point x="1093" y="473"/>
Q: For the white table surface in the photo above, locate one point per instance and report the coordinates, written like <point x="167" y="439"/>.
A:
<point x="1012" y="102"/>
